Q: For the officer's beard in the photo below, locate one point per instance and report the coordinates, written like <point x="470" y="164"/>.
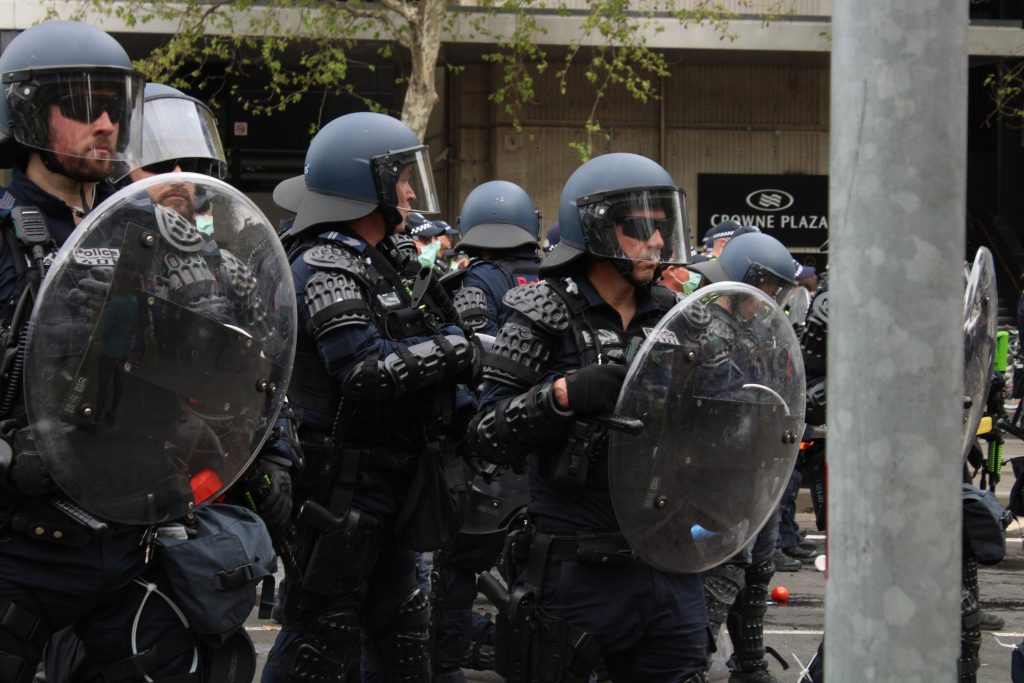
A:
<point x="81" y="169"/>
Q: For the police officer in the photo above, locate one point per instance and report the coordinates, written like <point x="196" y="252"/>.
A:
<point x="374" y="390"/>
<point x="499" y="228"/>
<point x="737" y="592"/>
<point x="557" y="366"/>
<point x="180" y="134"/>
<point x="70" y="112"/>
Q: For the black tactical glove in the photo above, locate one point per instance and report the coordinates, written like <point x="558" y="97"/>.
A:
<point x="594" y="389"/>
<point x="25" y="471"/>
<point x="268" y="490"/>
<point x="92" y="290"/>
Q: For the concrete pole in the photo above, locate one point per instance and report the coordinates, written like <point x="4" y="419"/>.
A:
<point x="897" y="204"/>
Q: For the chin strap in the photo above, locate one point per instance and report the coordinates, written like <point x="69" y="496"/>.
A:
<point x="392" y="218"/>
<point x="624" y="267"/>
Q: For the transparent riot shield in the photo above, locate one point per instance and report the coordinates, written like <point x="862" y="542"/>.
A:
<point x="719" y="387"/>
<point x="159" y="352"/>
<point x="981" y="313"/>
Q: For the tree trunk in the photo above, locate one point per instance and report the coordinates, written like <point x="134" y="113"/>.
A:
<point x="425" y="43"/>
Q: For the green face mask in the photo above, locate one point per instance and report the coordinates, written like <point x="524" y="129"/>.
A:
<point x="429" y="254"/>
<point x="692" y="284"/>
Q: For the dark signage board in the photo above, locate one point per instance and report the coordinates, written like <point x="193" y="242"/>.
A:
<point x="791" y="208"/>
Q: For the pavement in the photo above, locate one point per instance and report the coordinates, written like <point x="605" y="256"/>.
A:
<point x="794" y="628"/>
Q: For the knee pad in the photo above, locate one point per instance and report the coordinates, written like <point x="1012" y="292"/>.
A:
<point x="320" y="651"/>
<point x="762" y="572"/>
<point x="721" y="587"/>
<point x="402" y="637"/>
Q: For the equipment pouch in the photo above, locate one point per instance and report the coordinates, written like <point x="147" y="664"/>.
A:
<point x="213" y="575"/>
<point x="435" y="508"/>
<point x="985" y="522"/>
<point x="338" y="552"/>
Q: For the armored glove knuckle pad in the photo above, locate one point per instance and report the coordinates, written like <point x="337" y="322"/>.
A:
<point x="27" y="473"/>
<point x="92" y="290"/>
<point x="270" y="487"/>
<point x="594" y="389"/>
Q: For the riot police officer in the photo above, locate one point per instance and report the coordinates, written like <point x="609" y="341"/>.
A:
<point x="374" y="389"/>
<point x="499" y="228"/>
<point x="556" y="368"/>
<point x="737" y="592"/>
<point x="71" y="111"/>
<point x="180" y="135"/>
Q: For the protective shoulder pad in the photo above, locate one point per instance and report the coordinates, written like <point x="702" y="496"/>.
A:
<point x="541" y="304"/>
<point x="471" y="303"/>
<point x="335" y="294"/>
<point x="333" y="258"/>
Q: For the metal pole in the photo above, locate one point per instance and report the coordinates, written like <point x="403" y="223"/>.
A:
<point x="897" y="197"/>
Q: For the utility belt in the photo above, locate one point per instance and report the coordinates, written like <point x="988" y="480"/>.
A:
<point x="51" y="519"/>
<point x="532" y="550"/>
<point x="534" y="646"/>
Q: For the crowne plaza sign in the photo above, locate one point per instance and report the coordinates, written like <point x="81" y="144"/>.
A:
<point x="791" y="208"/>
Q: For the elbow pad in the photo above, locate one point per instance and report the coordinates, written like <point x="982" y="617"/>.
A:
<point x="506" y="433"/>
<point x="411" y="367"/>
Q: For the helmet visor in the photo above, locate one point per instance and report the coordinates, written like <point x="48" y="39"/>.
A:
<point x="643" y="224"/>
<point x="181" y="133"/>
<point x="405" y="180"/>
<point x="771" y="283"/>
<point x="94" y="116"/>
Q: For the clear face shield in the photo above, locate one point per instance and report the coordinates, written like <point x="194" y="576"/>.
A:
<point x="405" y="180"/>
<point x="178" y="133"/>
<point x="772" y="284"/>
<point x="93" y="115"/>
<point x="640" y="225"/>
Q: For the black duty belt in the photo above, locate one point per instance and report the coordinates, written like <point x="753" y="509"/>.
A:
<point x="600" y="549"/>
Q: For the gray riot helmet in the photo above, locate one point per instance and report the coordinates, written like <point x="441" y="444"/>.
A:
<point x="755" y="258"/>
<point x="498" y="215"/>
<point x="357" y="164"/>
<point x="178" y="132"/>
<point x="622" y="207"/>
<point x="70" y="91"/>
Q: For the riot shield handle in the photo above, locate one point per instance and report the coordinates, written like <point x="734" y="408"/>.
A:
<point x="620" y="423"/>
<point x="771" y="391"/>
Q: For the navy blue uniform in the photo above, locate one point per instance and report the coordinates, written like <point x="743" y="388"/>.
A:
<point x="459" y="562"/>
<point x="83" y="579"/>
<point x="649" y="625"/>
<point x="366" y="443"/>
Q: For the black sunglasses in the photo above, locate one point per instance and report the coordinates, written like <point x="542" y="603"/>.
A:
<point x="641" y="228"/>
<point x="188" y="165"/>
<point x="86" y="107"/>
